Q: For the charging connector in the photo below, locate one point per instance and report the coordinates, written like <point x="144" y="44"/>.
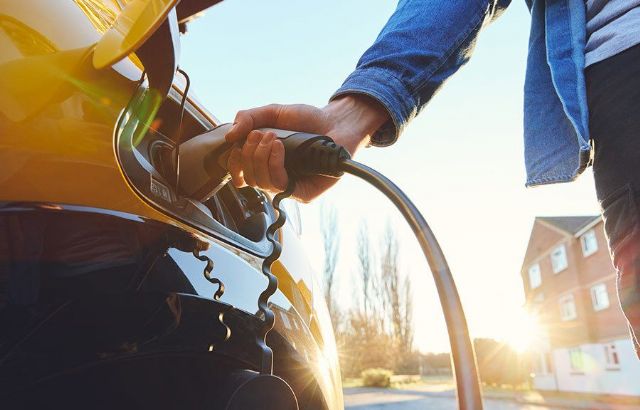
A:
<point x="202" y="163"/>
<point x="311" y="154"/>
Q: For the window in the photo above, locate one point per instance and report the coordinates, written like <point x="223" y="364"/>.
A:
<point x="542" y="363"/>
<point x="535" y="277"/>
<point x="285" y="320"/>
<point x="539" y="365"/>
<point x="575" y="360"/>
<point x="567" y="308"/>
<point x="559" y="259"/>
<point x="589" y="243"/>
<point x="548" y="362"/>
<point x="599" y="297"/>
<point x="611" y="355"/>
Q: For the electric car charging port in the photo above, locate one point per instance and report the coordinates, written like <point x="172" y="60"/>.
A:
<point x="162" y="158"/>
<point x="240" y="214"/>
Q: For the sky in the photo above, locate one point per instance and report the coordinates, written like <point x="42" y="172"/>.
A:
<point x="461" y="160"/>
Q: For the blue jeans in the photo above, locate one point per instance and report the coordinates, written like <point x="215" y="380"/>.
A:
<point x="613" y="88"/>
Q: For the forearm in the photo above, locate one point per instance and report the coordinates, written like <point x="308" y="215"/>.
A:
<point x="423" y="43"/>
<point x="355" y="118"/>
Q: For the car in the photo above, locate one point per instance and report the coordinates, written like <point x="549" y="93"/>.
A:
<point x="117" y="290"/>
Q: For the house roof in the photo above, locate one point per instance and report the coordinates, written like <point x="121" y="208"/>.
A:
<point x="569" y="224"/>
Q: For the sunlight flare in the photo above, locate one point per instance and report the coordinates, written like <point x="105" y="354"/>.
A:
<point x="524" y="332"/>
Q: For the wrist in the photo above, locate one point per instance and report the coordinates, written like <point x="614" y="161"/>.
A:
<point x="355" y="118"/>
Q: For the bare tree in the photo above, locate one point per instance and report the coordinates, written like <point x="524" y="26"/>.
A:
<point x="378" y="332"/>
<point x="366" y="274"/>
<point x="391" y="281"/>
<point x="331" y="239"/>
<point x="406" y="340"/>
<point x="398" y="300"/>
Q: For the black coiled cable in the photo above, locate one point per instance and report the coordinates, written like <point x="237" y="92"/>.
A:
<point x="267" y="315"/>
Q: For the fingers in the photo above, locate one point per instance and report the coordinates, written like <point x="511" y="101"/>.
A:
<point x="259" y="162"/>
<point x="234" y="165"/>
<point x="299" y="117"/>
<point x="279" y="177"/>
<point x="248" y="120"/>
<point x="248" y="150"/>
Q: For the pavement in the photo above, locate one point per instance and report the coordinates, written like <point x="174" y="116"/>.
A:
<point x="419" y="398"/>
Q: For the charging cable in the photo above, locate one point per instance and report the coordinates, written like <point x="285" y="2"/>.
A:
<point x="204" y="171"/>
<point x="309" y="154"/>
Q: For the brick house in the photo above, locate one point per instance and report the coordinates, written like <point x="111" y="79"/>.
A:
<point x="570" y="285"/>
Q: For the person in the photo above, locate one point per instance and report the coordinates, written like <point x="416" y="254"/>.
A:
<point x="581" y="106"/>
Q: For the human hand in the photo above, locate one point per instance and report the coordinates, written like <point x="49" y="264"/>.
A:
<point x="258" y="157"/>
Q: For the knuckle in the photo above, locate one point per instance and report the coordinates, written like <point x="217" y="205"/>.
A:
<point x="247" y="151"/>
<point x="262" y="153"/>
<point x="275" y="108"/>
<point x="244" y="118"/>
<point x="233" y="162"/>
<point x="264" y="184"/>
<point x="254" y="137"/>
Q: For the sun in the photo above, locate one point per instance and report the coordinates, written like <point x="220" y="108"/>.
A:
<point x="525" y="332"/>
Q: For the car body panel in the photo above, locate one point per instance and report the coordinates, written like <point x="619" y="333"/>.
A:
<point x="58" y="118"/>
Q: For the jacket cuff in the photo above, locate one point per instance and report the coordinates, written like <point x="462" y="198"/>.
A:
<point x="382" y="86"/>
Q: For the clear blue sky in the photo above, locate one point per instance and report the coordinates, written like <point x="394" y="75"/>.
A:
<point x="461" y="160"/>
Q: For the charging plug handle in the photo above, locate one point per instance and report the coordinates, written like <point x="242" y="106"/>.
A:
<point x="202" y="163"/>
<point x="312" y="154"/>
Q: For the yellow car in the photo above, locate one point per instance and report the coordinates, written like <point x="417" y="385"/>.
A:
<point x="116" y="289"/>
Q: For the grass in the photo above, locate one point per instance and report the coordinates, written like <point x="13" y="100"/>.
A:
<point x="524" y="393"/>
<point x="406" y="381"/>
<point x="543" y="396"/>
<point x="351" y="382"/>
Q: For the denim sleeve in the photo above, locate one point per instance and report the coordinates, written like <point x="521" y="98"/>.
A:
<point x="423" y="43"/>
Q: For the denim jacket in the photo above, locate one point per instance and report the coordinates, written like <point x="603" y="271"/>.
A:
<point x="426" y="41"/>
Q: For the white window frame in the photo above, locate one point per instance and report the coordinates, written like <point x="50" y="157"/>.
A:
<point x="539" y="365"/>
<point x="571" y="314"/>
<point x="542" y="364"/>
<point x="600" y="297"/>
<point x="535" y="272"/>
<point x="588" y="239"/>
<point x="558" y="265"/>
<point x="576" y="360"/>
<point x="285" y="320"/>
<point x="612" y="356"/>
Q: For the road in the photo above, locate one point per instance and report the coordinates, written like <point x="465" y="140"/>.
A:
<point x="388" y="399"/>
